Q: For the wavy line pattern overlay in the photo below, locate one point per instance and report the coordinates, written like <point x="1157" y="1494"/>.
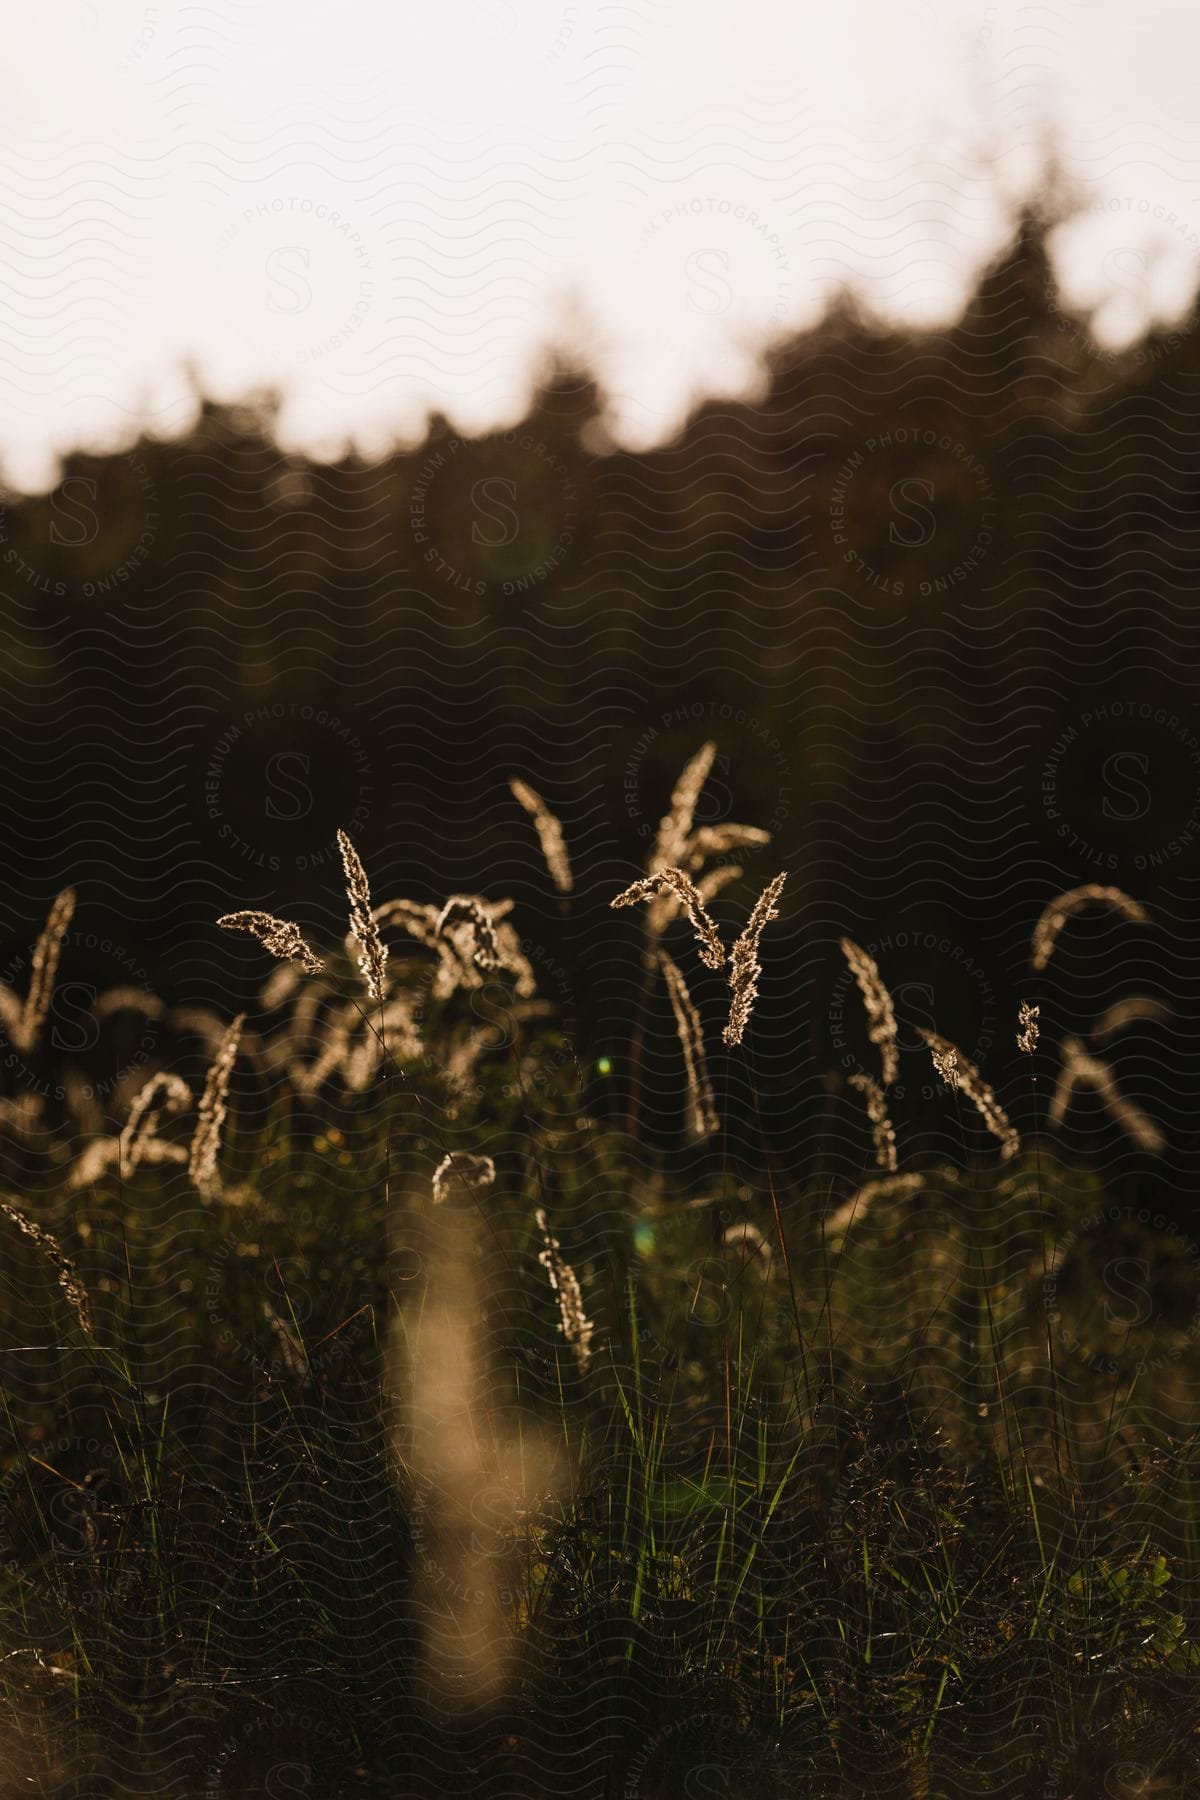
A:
<point x="477" y="1314"/>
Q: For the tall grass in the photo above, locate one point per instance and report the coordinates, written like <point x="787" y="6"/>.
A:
<point x="398" y="1426"/>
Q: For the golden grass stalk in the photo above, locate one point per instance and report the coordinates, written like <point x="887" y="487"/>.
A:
<point x="461" y="1176"/>
<point x="469" y="911"/>
<point x="137" y="1142"/>
<point x="206" y="1142"/>
<point x="882" y="1133"/>
<point x="1065" y="906"/>
<point x="881" y="1018"/>
<point x="708" y="939"/>
<point x="201" y="1022"/>
<point x="21" y="1116"/>
<point x="23" y="1021"/>
<point x="550" y="835"/>
<point x="945" y="1060"/>
<point x="127" y="999"/>
<point x="278" y="936"/>
<point x="308" y="1078"/>
<point x="373" y="958"/>
<point x="665" y="906"/>
<point x="514" y="961"/>
<point x="454" y="932"/>
<point x="68" y="1278"/>
<point x="92" y="1162"/>
<point x="957" y="1071"/>
<point x="144" y="1115"/>
<point x="1081" y="1069"/>
<point x="750" y="1241"/>
<point x="334" y="1039"/>
<point x="158" y="1151"/>
<point x="1130" y="1011"/>
<point x="459" y="1060"/>
<point x="362" y="1055"/>
<point x="102" y="1154"/>
<point x="280" y="985"/>
<point x="420" y="921"/>
<point x="309" y="1001"/>
<point x="510" y="956"/>
<point x="718" y="840"/>
<point x="717" y="880"/>
<point x="744" y="966"/>
<point x="401" y="1030"/>
<point x="676" y="825"/>
<point x="10" y="1013"/>
<point x="1027" y="1019"/>
<point x="702" y="1111"/>
<point x="855" y="1209"/>
<point x="44" y="968"/>
<point x="574" y="1323"/>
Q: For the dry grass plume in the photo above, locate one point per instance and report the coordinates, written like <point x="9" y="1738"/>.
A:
<point x="1065" y="906"/>
<point x="744" y="966"/>
<point x="373" y="951"/>
<point x="550" y="834"/>
<point x="881" y="1018"/>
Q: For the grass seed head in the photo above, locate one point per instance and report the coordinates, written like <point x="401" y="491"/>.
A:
<point x="856" y="1208"/>
<point x="718" y="840"/>
<point x="882" y="1131"/>
<point x="1027" y="1019"/>
<point x="744" y="966"/>
<point x="881" y="1018"/>
<point x="373" y="951"/>
<point x="550" y="835"/>
<point x="1065" y="906"/>
<point x="1083" y="1070"/>
<point x="750" y="1241"/>
<point x="957" y="1071"/>
<point x="462" y="1176"/>
<point x="467" y="910"/>
<point x="68" y="1278"/>
<point x="24" y="1020"/>
<point x="278" y="936"/>
<point x="710" y="949"/>
<point x="574" y="1323"/>
<point x="676" y="825"/>
<point x="702" y="1111"/>
<point x="1135" y="1009"/>
<point x="206" y="1142"/>
<point x="145" y="1112"/>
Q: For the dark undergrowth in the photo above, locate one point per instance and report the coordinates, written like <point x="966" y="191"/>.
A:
<point x="630" y="1471"/>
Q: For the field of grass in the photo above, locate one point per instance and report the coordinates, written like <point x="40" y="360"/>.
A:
<point x="600" y="1469"/>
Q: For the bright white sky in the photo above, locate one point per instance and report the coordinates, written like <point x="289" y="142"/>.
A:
<point x="387" y="207"/>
